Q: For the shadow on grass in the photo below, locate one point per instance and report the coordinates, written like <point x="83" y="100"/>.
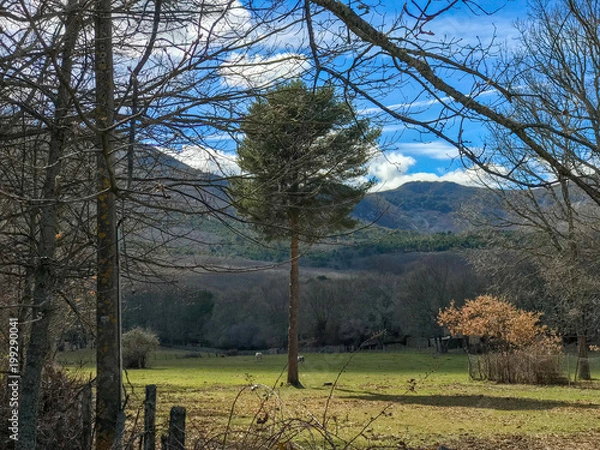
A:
<point x="472" y="401"/>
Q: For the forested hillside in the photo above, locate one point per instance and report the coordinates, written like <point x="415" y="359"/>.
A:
<point x="426" y="207"/>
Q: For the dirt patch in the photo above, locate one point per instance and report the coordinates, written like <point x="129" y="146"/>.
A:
<point x="582" y="441"/>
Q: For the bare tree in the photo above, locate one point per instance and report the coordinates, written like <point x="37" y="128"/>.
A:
<point x="555" y="71"/>
<point x="548" y="260"/>
<point x="450" y="86"/>
<point x="45" y="273"/>
<point x="540" y="103"/>
<point x="430" y="285"/>
<point x="167" y="87"/>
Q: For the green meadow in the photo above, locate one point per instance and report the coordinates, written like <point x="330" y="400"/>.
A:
<point x="385" y="399"/>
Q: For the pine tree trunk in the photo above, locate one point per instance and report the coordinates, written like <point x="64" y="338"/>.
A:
<point x="108" y="357"/>
<point x="294" y="307"/>
<point x="583" y="363"/>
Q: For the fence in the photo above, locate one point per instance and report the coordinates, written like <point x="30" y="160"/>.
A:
<point x="174" y="439"/>
<point x="528" y="368"/>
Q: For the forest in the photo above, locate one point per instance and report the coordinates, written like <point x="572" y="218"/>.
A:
<point x="340" y="308"/>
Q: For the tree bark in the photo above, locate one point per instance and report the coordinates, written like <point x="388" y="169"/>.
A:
<point x="294" y="307"/>
<point x="44" y="275"/>
<point x="108" y="355"/>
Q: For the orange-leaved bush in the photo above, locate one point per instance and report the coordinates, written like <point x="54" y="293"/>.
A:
<point x="518" y="348"/>
<point x="493" y="320"/>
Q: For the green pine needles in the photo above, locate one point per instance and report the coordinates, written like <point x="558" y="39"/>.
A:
<point x="304" y="158"/>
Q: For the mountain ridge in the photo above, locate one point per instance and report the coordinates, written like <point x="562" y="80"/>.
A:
<point x="425" y="206"/>
<point x="422" y="206"/>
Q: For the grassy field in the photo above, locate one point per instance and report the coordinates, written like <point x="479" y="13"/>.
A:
<point x="420" y="400"/>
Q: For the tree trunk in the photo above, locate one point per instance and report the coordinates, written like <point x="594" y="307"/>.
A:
<point x="583" y="363"/>
<point x="44" y="275"/>
<point x="24" y="316"/>
<point x="39" y="342"/>
<point x="294" y="307"/>
<point x="443" y="345"/>
<point x="108" y="355"/>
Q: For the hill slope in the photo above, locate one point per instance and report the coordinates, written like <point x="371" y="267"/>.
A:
<point x="427" y="207"/>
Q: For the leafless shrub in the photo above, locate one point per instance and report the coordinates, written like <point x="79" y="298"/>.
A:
<point x="60" y="424"/>
<point x="526" y="366"/>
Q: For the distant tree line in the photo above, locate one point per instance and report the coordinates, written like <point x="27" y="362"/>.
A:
<point x="177" y="316"/>
<point x="343" y="308"/>
<point x="398" y="241"/>
<point x="367" y="242"/>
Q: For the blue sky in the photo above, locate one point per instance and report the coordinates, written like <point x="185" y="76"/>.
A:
<point x="416" y="157"/>
<point x="407" y="156"/>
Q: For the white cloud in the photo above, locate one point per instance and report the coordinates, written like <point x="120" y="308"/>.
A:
<point x="260" y="71"/>
<point x="389" y="169"/>
<point x="424" y="104"/>
<point x="207" y="160"/>
<point x="483" y="30"/>
<point x="406" y="105"/>
<point x="191" y="26"/>
<point x="434" y="150"/>
<point x="466" y="177"/>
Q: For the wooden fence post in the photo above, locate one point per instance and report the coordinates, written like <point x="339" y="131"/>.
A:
<point x="86" y="417"/>
<point x="176" y="439"/>
<point x="150" y="418"/>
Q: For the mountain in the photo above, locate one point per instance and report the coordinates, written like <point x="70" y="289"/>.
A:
<point x="427" y="207"/>
<point x="416" y="217"/>
<point x="421" y="206"/>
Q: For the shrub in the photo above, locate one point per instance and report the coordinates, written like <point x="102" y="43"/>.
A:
<point x="137" y="344"/>
<point x="60" y="411"/>
<point x="519" y="366"/>
<point x="517" y="349"/>
<point x="501" y="325"/>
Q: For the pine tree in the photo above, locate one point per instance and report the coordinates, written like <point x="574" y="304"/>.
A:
<point x="303" y="158"/>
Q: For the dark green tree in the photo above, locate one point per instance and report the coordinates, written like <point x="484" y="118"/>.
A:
<point x="303" y="158"/>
